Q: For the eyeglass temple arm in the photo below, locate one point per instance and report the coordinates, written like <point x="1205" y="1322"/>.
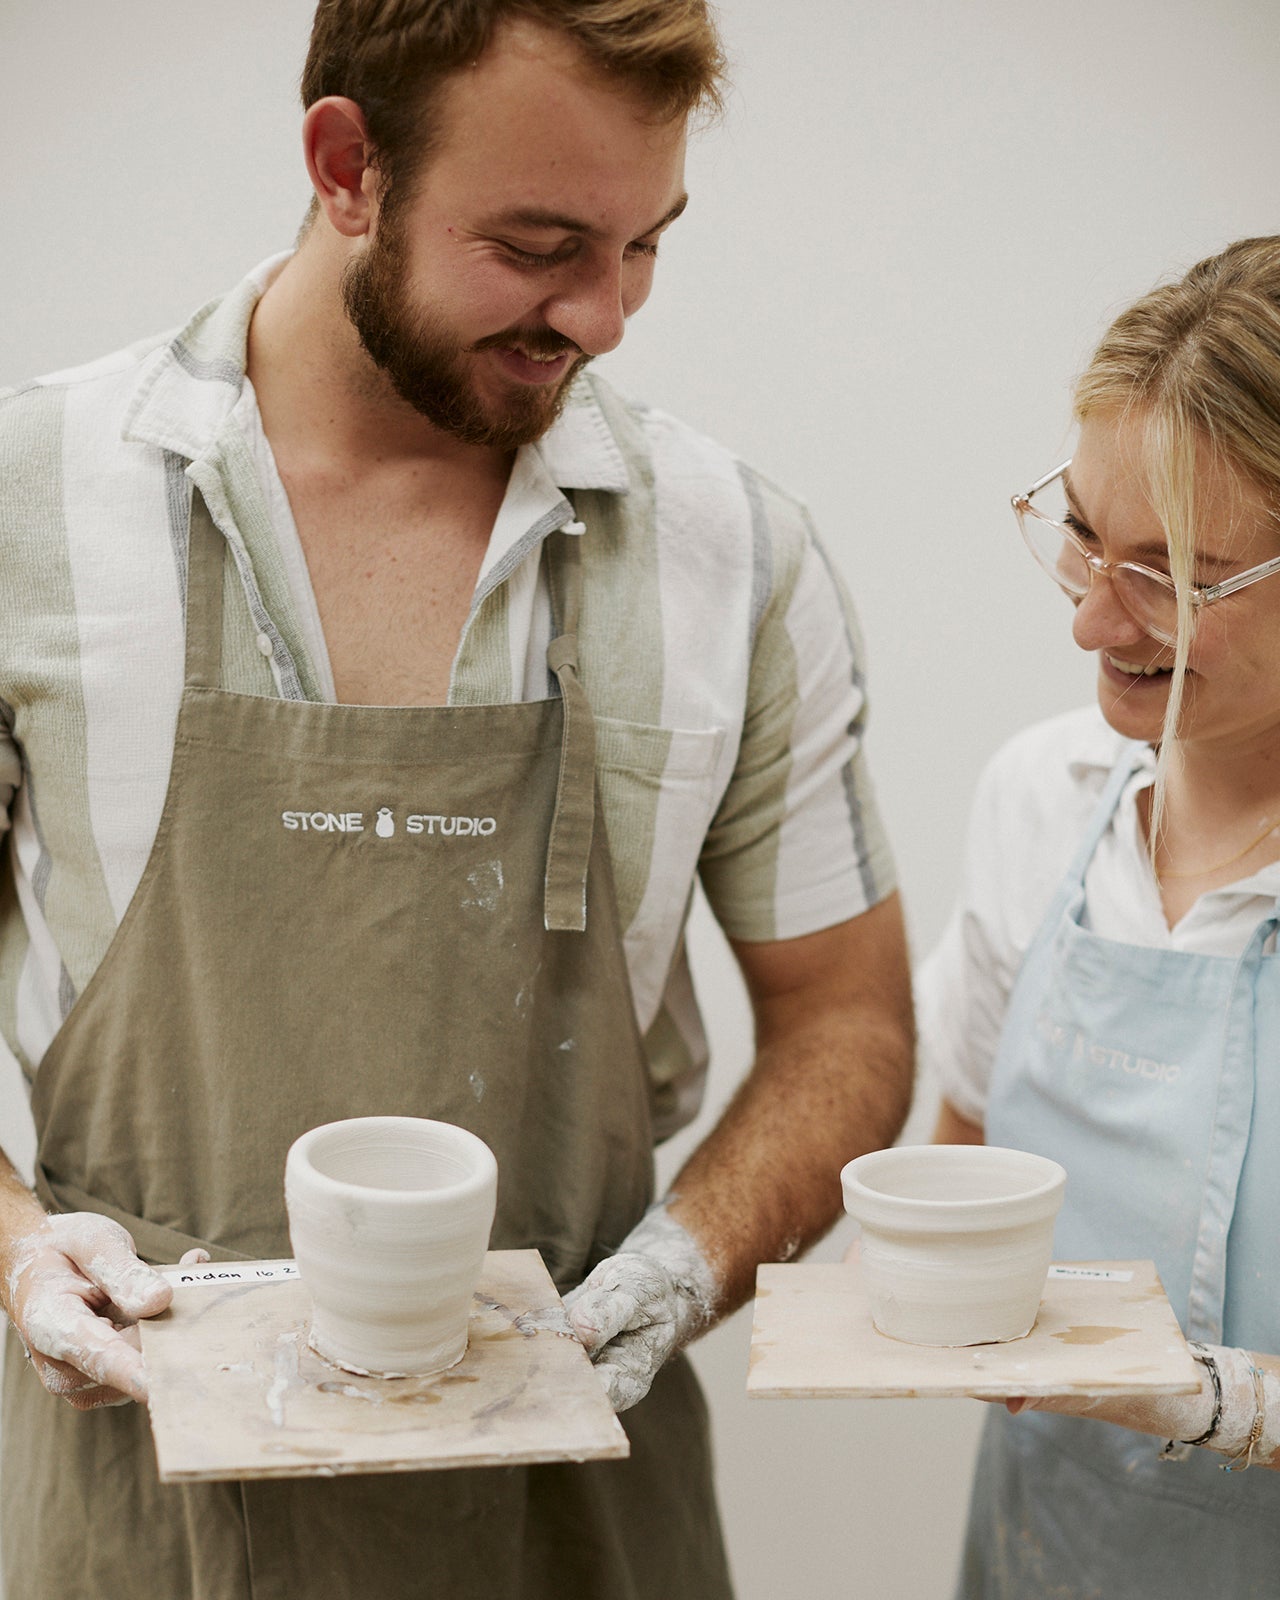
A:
<point x="1040" y="483"/>
<point x="1242" y="580"/>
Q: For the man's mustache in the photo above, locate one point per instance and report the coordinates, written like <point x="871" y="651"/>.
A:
<point x="533" y="341"/>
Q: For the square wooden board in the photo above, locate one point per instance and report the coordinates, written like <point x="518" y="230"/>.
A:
<point x="237" y="1393"/>
<point x="812" y="1336"/>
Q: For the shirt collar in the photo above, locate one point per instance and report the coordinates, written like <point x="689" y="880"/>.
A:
<point x="580" y="450"/>
<point x="1098" y="748"/>
<point x="191" y="383"/>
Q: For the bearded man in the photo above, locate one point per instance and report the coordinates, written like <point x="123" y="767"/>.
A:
<point x="364" y="538"/>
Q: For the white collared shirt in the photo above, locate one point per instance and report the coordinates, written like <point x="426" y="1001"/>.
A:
<point x="1032" y="805"/>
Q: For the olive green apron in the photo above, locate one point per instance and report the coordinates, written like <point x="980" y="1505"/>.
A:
<point x="348" y="911"/>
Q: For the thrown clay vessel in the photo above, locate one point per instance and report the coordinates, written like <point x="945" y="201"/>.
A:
<point x="390" y="1220"/>
<point x="956" y="1239"/>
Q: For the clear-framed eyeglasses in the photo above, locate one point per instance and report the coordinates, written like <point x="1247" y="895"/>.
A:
<point x="1151" y="598"/>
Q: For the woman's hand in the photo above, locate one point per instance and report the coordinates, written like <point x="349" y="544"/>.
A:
<point x="1238" y="1416"/>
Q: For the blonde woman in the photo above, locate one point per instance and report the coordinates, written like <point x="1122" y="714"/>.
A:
<point x="1108" y="990"/>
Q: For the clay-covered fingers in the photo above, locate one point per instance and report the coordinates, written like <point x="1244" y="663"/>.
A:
<point x="626" y="1314"/>
<point x="104" y="1253"/>
<point x="75" y="1288"/>
<point x="629" y="1364"/>
<point x="75" y="1347"/>
<point x="636" y="1309"/>
<point x="623" y="1294"/>
<point x="79" y="1390"/>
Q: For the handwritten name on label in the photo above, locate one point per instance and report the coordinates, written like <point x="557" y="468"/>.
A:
<point x="1105" y="1274"/>
<point x="215" y="1272"/>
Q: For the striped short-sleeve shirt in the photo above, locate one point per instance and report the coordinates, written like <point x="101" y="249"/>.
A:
<point x="718" y="648"/>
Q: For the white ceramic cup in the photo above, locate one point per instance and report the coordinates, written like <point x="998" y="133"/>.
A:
<point x="956" y="1239"/>
<point x="390" y="1220"/>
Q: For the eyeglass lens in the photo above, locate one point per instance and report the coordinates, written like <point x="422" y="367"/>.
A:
<point x="1147" y="601"/>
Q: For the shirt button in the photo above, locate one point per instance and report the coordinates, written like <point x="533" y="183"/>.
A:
<point x="265" y="645"/>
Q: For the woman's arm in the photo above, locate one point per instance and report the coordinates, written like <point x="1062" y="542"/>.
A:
<point x="1240" y="1415"/>
<point x="1243" y="1409"/>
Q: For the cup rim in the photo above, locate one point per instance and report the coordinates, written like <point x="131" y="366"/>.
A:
<point x="851" y="1179"/>
<point x="483" y="1174"/>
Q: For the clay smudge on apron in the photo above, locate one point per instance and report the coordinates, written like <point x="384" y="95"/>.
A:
<point x="487" y="884"/>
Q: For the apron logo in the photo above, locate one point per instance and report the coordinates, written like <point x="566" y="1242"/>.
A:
<point x="384" y="825"/>
<point x="463" y="827"/>
<point x="1075" y="1044"/>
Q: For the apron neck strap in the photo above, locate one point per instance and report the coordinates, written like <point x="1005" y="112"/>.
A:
<point x="573" y="822"/>
<point x="1109" y="799"/>
<point x="205" y="551"/>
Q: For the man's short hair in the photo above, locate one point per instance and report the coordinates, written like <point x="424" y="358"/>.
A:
<point x="391" y="57"/>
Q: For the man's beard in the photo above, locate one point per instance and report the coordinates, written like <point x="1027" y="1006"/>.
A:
<point x="426" y="366"/>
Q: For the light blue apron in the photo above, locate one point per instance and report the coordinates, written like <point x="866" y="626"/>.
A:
<point x="1153" y="1076"/>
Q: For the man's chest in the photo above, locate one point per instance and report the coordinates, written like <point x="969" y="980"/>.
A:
<point x="393" y="579"/>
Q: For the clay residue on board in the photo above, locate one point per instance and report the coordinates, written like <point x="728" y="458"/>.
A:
<point x="385" y="1395"/>
<point x="1091" y="1335"/>
<point x="309" y="1452"/>
<point x="526" y="1324"/>
<point x="545" y="1319"/>
<point x="285" y="1366"/>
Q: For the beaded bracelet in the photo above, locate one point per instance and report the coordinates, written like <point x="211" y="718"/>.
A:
<point x="1175" y="1449"/>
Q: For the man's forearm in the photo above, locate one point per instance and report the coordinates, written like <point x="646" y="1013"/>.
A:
<point x="831" y="1079"/>
<point x="20" y="1214"/>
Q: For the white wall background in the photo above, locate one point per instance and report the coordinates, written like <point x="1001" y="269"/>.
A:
<point x="903" y="240"/>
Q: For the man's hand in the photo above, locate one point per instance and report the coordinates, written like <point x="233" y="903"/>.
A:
<point x="74" y="1288"/>
<point x="831" y="1078"/>
<point x="640" y="1306"/>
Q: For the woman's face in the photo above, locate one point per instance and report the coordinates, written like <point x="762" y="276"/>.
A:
<point x="1231" y="698"/>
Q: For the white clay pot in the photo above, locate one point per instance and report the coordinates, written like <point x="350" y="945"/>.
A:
<point x="390" y="1220"/>
<point x="956" y="1239"/>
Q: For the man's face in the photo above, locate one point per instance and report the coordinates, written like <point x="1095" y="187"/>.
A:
<point x="527" y="239"/>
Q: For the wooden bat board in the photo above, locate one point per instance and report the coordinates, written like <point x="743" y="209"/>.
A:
<point x="237" y="1393"/>
<point x="1104" y="1327"/>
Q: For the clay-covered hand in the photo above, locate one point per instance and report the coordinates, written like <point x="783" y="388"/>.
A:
<point x="74" y="1290"/>
<point x="641" y="1305"/>
<point x="1245" y="1413"/>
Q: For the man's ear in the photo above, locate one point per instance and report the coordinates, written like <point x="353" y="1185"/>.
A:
<point x="339" y="155"/>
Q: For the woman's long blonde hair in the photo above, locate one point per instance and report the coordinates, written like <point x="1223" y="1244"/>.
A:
<point x="1196" y="364"/>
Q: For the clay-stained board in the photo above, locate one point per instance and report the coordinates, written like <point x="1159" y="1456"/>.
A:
<point x="1104" y="1327"/>
<point x="236" y="1392"/>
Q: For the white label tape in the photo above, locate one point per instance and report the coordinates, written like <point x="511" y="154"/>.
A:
<point x="215" y="1272"/>
<point x="1103" y="1274"/>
